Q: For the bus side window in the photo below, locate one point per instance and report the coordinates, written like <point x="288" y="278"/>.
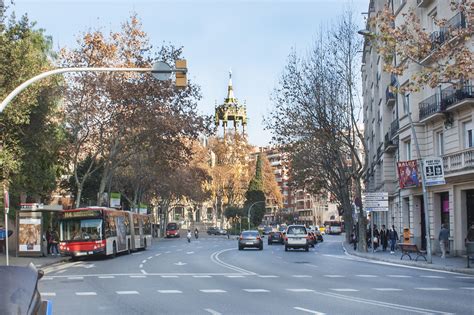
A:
<point x="126" y="221"/>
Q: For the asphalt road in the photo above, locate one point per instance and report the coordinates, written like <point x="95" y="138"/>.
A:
<point x="210" y="276"/>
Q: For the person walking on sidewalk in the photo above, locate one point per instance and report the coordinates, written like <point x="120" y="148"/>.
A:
<point x="376" y="237"/>
<point x="54" y="239"/>
<point x="443" y="239"/>
<point x="393" y="237"/>
<point x="383" y="237"/>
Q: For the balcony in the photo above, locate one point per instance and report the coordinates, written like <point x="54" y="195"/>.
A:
<point x="459" y="162"/>
<point x="394" y="128"/>
<point x="389" y="97"/>
<point x="390" y="145"/>
<point x="451" y="97"/>
<point x="423" y="3"/>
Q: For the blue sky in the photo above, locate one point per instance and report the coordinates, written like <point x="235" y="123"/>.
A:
<point x="253" y="38"/>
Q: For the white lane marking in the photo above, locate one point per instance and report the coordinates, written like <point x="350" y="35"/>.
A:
<point x="150" y="257"/>
<point x="311" y="265"/>
<point x="144" y="261"/>
<point x="139" y="253"/>
<point x="215" y="259"/>
<point x="137" y="276"/>
<point x="48" y="294"/>
<point x="464" y="277"/>
<point x="334" y="276"/>
<point x="433" y="277"/>
<point x="345" y="290"/>
<point x="210" y="310"/>
<point x="399" y="276"/>
<point x="169" y="276"/>
<point x="75" y="278"/>
<point x="202" y="276"/>
<point x="367" y="276"/>
<point x="46" y="278"/>
<point x="267" y="276"/>
<point x="86" y="293"/>
<point x="387" y="289"/>
<point x="106" y="277"/>
<point x="156" y="255"/>
<point x="179" y="263"/>
<point x="141" y="266"/>
<point x="467" y="288"/>
<point x="212" y="291"/>
<point x="61" y="271"/>
<point x="126" y="292"/>
<point x="255" y="290"/>
<point x="234" y="276"/>
<point x="167" y="252"/>
<point x="433" y="289"/>
<point x="299" y="290"/>
<point x="308" y="311"/>
<point x="170" y="291"/>
<point x="143" y="271"/>
<point x="189" y="253"/>
<point x="301" y="276"/>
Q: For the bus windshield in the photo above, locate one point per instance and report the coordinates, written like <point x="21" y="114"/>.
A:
<point x="81" y="230"/>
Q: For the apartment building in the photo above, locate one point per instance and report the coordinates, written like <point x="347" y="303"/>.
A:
<point x="443" y="120"/>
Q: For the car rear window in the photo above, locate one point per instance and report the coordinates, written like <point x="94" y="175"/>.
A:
<point x="296" y="230"/>
<point x="172" y="226"/>
<point x="247" y="234"/>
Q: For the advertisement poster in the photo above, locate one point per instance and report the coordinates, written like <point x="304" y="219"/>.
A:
<point x="121" y="233"/>
<point x="29" y="236"/>
<point x="115" y="200"/>
<point x="408" y="174"/>
<point x="433" y="168"/>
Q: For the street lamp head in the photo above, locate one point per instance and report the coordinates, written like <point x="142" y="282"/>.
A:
<point x="366" y="33"/>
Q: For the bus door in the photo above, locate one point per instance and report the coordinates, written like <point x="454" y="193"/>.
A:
<point x="142" y="235"/>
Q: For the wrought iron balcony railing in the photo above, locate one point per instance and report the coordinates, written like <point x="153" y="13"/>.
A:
<point x="441" y="101"/>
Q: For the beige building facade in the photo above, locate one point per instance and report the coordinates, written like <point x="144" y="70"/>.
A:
<point x="443" y="118"/>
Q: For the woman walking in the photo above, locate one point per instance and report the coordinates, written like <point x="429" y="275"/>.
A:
<point x="393" y="237"/>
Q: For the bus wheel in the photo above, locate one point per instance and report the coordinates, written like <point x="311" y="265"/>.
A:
<point x="129" y="249"/>
<point x="114" y="250"/>
<point x="145" y="244"/>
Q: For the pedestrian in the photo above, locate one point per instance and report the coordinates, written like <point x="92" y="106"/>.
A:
<point x="369" y="237"/>
<point x="54" y="243"/>
<point x="443" y="239"/>
<point x="48" y="241"/>
<point x="354" y="240"/>
<point x="383" y="237"/>
<point x="393" y="237"/>
<point x="376" y="238"/>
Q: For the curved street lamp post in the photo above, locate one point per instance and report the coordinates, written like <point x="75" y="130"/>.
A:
<point x="250" y="208"/>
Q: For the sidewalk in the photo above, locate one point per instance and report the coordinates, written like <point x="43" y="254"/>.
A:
<point x="454" y="264"/>
<point x="37" y="261"/>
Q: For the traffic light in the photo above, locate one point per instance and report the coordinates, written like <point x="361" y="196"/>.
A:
<point x="181" y="79"/>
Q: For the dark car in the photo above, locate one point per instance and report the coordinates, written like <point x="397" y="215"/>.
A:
<point x="212" y="230"/>
<point x="250" y="239"/>
<point x="267" y="230"/>
<point x="172" y="230"/>
<point x="221" y="232"/>
<point x="276" y="237"/>
<point x="19" y="293"/>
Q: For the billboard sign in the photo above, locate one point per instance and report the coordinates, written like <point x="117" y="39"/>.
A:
<point x="29" y="233"/>
<point x="433" y="171"/>
<point x="408" y="174"/>
<point x="115" y="200"/>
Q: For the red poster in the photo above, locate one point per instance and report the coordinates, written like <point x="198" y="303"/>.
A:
<point x="408" y="174"/>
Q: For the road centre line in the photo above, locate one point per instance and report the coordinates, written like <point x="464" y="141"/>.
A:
<point x="399" y="276"/>
<point x="302" y="276"/>
<point x="387" y="289"/>
<point x="106" y="277"/>
<point x="334" y="276"/>
<point x="170" y="291"/>
<point x="126" y="292"/>
<point x="212" y="311"/>
<point x="75" y="278"/>
<point x="137" y="276"/>
<point x="367" y="276"/>
<point x="300" y="290"/>
<point x="212" y="291"/>
<point x="86" y="293"/>
<point x="267" y="276"/>
<point x="308" y="311"/>
<point x="345" y="290"/>
<point x="256" y="290"/>
<point x="432" y="289"/>
<point x="383" y="304"/>
<point x="433" y="277"/>
<point x="48" y="293"/>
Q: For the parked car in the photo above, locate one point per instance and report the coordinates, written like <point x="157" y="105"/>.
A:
<point x="19" y="293"/>
<point x="296" y="237"/>
<point x="212" y="230"/>
<point x="250" y="239"/>
<point x="172" y="230"/>
<point x="221" y="232"/>
<point x="276" y="237"/>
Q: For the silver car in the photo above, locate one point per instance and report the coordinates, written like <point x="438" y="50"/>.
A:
<point x="250" y="239"/>
<point x="296" y="237"/>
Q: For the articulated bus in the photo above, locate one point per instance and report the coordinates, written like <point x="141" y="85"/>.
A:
<point x="102" y="231"/>
<point x="333" y="227"/>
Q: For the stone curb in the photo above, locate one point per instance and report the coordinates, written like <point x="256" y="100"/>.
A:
<point x="409" y="263"/>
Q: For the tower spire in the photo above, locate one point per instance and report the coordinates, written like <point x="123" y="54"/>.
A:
<point x="230" y="90"/>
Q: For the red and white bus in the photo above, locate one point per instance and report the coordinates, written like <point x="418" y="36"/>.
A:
<point x="103" y="231"/>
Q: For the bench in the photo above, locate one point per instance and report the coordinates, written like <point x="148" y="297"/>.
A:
<point x="408" y="249"/>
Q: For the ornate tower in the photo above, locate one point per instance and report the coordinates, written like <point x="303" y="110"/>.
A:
<point x="231" y="110"/>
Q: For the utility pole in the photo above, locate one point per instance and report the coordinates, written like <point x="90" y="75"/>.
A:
<point x="250" y="208"/>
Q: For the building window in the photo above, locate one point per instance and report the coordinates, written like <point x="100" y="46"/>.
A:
<point x="468" y="134"/>
<point x="408" y="150"/>
<point x="406" y="104"/>
<point x="440" y="143"/>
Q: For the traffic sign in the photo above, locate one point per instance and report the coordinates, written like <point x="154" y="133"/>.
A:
<point x="161" y="71"/>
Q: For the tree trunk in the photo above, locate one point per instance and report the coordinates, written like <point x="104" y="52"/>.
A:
<point x="347" y="207"/>
<point x="78" y="195"/>
<point x="362" y="239"/>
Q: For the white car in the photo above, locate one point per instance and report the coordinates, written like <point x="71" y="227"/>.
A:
<point x="296" y="237"/>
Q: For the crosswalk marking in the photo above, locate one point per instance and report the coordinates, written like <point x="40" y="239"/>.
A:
<point x="85" y="293"/>
<point x="170" y="291"/>
<point x="307" y="310"/>
<point x="212" y="291"/>
<point x="126" y="292"/>
<point x="255" y="290"/>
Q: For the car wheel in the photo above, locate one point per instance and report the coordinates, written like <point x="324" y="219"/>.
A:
<point x="114" y="253"/>
<point x="129" y="251"/>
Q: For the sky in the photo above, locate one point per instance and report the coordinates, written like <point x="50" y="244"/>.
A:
<point x="251" y="37"/>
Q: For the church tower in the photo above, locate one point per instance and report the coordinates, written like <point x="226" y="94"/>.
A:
<point x="231" y="110"/>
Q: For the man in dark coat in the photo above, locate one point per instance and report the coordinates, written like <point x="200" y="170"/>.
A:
<point x="384" y="237"/>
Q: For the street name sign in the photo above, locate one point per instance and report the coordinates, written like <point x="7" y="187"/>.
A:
<point x="376" y="201"/>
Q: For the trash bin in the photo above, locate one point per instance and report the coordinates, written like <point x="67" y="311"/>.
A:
<point x="406" y="235"/>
